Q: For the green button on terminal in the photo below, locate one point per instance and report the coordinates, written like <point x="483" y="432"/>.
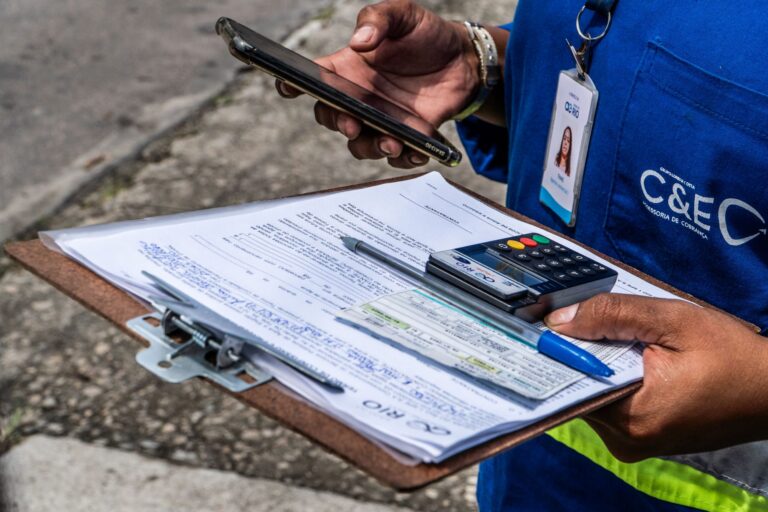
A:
<point x="541" y="239"/>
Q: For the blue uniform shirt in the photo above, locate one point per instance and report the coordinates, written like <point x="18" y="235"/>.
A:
<point x="675" y="184"/>
<point x="676" y="181"/>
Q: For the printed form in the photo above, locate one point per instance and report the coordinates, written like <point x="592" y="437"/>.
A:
<point x="419" y="321"/>
<point x="281" y="272"/>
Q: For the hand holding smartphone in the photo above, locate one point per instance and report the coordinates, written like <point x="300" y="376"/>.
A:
<point x="337" y="92"/>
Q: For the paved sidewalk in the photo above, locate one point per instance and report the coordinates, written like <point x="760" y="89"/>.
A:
<point x="85" y="84"/>
<point x="69" y="373"/>
<point x="46" y="474"/>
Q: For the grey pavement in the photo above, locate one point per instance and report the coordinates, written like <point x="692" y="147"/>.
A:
<point x="68" y="373"/>
<point x="124" y="482"/>
<point x="85" y="83"/>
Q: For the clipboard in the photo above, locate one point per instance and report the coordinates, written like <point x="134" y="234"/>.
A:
<point x="286" y="407"/>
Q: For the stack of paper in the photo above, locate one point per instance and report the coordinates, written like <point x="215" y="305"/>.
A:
<point x="280" y="271"/>
<point x="421" y="322"/>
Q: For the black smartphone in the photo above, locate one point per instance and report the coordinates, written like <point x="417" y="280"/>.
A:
<point x="336" y="91"/>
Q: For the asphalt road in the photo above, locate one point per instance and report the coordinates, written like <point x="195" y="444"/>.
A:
<point x="83" y="83"/>
<point x="65" y="372"/>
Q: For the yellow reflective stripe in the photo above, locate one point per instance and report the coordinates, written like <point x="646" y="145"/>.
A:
<point x="663" y="479"/>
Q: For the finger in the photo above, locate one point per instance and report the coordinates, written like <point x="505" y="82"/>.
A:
<point x="326" y="116"/>
<point x="409" y="159"/>
<point x="362" y="148"/>
<point x="328" y="61"/>
<point x="370" y="145"/>
<point x="389" y="19"/>
<point x="623" y="317"/>
<point x="389" y="146"/>
<point x="337" y="121"/>
<point x="285" y="90"/>
<point x="348" y="125"/>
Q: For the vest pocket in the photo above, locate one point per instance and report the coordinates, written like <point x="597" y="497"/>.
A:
<point x="689" y="198"/>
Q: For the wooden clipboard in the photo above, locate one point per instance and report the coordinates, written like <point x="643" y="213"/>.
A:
<point x="284" y="406"/>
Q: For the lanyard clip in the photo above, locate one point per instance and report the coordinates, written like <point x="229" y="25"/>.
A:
<point x="586" y="36"/>
<point x="581" y="57"/>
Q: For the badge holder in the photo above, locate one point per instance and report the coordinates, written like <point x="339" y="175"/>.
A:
<point x="570" y="130"/>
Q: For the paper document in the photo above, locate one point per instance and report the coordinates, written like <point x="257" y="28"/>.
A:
<point x="281" y="273"/>
<point x="416" y="320"/>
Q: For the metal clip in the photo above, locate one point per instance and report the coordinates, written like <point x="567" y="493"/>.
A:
<point x="202" y="355"/>
<point x="587" y="36"/>
<point x="581" y="57"/>
<point x="200" y="336"/>
<point x="215" y="343"/>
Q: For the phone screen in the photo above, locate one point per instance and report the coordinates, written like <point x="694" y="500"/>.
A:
<point x="281" y="57"/>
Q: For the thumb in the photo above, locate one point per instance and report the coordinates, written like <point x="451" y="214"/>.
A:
<point x="389" y="19"/>
<point x="622" y="317"/>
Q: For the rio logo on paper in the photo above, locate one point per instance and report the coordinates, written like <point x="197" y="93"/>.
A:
<point x="671" y="198"/>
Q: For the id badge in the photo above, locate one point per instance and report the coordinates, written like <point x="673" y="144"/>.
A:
<point x="567" y="144"/>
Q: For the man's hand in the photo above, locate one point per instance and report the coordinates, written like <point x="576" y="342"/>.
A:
<point x="410" y="56"/>
<point x="706" y="376"/>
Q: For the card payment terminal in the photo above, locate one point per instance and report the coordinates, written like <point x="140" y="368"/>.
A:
<point x="527" y="275"/>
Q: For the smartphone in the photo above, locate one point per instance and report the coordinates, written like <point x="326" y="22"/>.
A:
<point x="336" y="91"/>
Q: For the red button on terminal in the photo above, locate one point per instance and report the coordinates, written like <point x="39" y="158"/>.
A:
<point x="527" y="241"/>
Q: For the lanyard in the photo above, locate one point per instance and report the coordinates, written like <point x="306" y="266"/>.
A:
<point x="582" y="54"/>
<point x="604" y="7"/>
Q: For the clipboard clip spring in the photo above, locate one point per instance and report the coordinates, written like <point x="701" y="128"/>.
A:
<point x="172" y="322"/>
<point x="202" y="354"/>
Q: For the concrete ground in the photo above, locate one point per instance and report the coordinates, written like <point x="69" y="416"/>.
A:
<point x="85" y="83"/>
<point x="123" y="482"/>
<point x="65" y="372"/>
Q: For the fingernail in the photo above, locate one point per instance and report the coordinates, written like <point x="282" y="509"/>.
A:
<point x="285" y="90"/>
<point x="363" y="34"/>
<point x="342" y="126"/>
<point x="561" y="316"/>
<point x="384" y="148"/>
<point x="417" y="159"/>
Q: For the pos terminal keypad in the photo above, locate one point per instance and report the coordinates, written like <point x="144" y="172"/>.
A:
<point x="527" y="274"/>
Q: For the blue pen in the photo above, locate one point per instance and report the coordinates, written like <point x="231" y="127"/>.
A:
<point x="546" y="342"/>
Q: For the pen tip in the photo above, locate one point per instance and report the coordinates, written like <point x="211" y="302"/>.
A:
<point x="607" y="372"/>
<point x="350" y="243"/>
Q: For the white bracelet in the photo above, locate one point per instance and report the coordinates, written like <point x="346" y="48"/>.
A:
<point x="489" y="69"/>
